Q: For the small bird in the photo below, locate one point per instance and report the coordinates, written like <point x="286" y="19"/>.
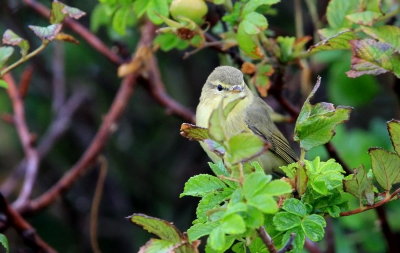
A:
<point x="251" y="114"/>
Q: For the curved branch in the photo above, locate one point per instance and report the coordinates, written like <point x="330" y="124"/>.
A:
<point x="31" y="154"/>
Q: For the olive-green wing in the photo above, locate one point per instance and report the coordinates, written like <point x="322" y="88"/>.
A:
<point x="259" y="121"/>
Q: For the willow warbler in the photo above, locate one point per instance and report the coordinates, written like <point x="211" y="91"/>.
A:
<point x="251" y="114"/>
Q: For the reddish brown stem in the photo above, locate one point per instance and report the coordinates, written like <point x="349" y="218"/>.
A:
<point x="90" y="38"/>
<point x="27" y="232"/>
<point x="31" y="155"/>
<point x="366" y="208"/>
<point x="106" y="129"/>
<point x="266" y="238"/>
<point x="26" y="78"/>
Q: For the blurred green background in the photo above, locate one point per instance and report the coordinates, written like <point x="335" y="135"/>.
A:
<point x="149" y="161"/>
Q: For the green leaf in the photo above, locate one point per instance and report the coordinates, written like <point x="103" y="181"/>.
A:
<point x="245" y="146"/>
<point x="324" y="176"/>
<point x="218" y="168"/>
<point x="388" y="34"/>
<point x="161" y="228"/>
<point x="313" y="226"/>
<point x="264" y="202"/>
<point x="254" y="23"/>
<point x="4" y="242"/>
<point x="157" y="246"/>
<point x="169" y="41"/>
<point x="286" y="45"/>
<point x="248" y="43"/>
<point x="338" y="10"/>
<point x="193" y="132"/>
<point x="316" y="123"/>
<point x="5" y="54"/>
<point x="255" y="183"/>
<point x="373" y="58"/>
<point x="157" y="8"/>
<point x="120" y="19"/>
<point x="101" y="15"/>
<point x="277" y="188"/>
<point x="202" y="184"/>
<point x="386" y="167"/>
<point x="339" y="41"/>
<point x="295" y="206"/>
<point x="284" y="221"/>
<point x="12" y="39"/>
<point x="299" y="239"/>
<point x="233" y="224"/>
<point x="394" y="132"/>
<point x="46" y="33"/>
<point x="200" y="229"/>
<point x="211" y="201"/>
<point x="360" y="185"/>
<point x="252" y="5"/>
<point x="253" y="217"/>
<point x="60" y="10"/>
<point x="217" y="239"/>
<point x="3" y="84"/>
<point x="364" y="18"/>
<point x="140" y="7"/>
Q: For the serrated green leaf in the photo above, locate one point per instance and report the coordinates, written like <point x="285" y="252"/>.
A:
<point x="163" y="229"/>
<point x="218" y="168"/>
<point x="200" y="229"/>
<point x="245" y="146"/>
<point x="255" y="183"/>
<point x="252" y="5"/>
<point x="157" y="8"/>
<point x="217" y="239"/>
<point x="12" y="39"/>
<point x="324" y="176"/>
<point x="316" y="123"/>
<point x="277" y="188"/>
<point x="232" y="208"/>
<point x="5" y="54"/>
<point x="388" y="34"/>
<point x="373" y="58"/>
<point x="211" y="201"/>
<point x="60" y="10"/>
<point x="101" y="15"/>
<point x="295" y="206"/>
<point x="339" y="41"/>
<point x="140" y="6"/>
<point x="360" y="185"/>
<point x="338" y="10"/>
<point x="248" y="43"/>
<point x="4" y="242"/>
<point x="364" y="18"/>
<point x="3" y="84"/>
<point x="253" y="217"/>
<point x="157" y="246"/>
<point x="254" y="23"/>
<point x="202" y="184"/>
<point x="386" y="167"/>
<point x="284" y="221"/>
<point x="257" y="246"/>
<point x="233" y="224"/>
<point x="313" y="227"/>
<point x="394" y="132"/>
<point x="264" y="202"/>
<point x="46" y="33"/>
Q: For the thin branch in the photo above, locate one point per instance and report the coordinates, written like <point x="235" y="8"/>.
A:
<point x="58" y="82"/>
<point x="94" y="211"/>
<point x="106" y="129"/>
<point x="25" y="81"/>
<point x="366" y="208"/>
<point x="266" y="238"/>
<point x="330" y="236"/>
<point x="157" y="90"/>
<point x="26" y="231"/>
<point x="289" y="244"/>
<point x="31" y="155"/>
<point x="311" y="247"/>
<point x="90" y="38"/>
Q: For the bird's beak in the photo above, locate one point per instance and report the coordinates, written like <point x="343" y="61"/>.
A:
<point x="236" y="88"/>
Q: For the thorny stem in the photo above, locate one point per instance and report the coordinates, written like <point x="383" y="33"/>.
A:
<point x="25" y="58"/>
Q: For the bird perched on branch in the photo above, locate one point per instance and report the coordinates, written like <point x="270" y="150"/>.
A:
<point x="251" y="114"/>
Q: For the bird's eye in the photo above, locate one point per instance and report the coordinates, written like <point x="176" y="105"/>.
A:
<point x="219" y="87"/>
